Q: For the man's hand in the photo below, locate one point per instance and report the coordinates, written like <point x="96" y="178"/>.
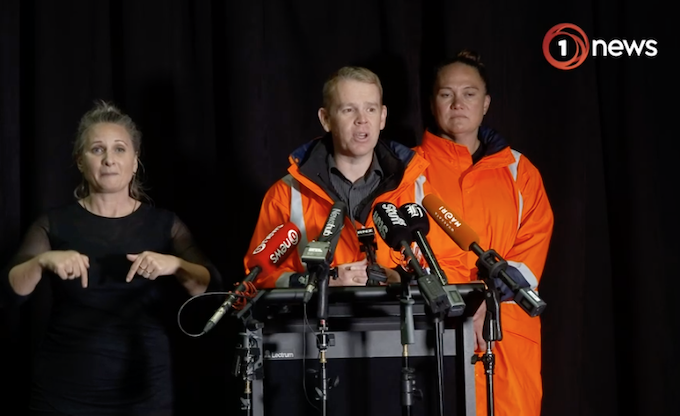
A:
<point x="478" y="324"/>
<point x="351" y="274"/>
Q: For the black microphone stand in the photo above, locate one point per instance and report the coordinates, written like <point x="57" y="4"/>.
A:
<point x="492" y="321"/>
<point x="318" y="257"/>
<point x="248" y="357"/>
<point x="323" y="338"/>
<point x="408" y="378"/>
<point x="376" y="274"/>
<point x="438" y="320"/>
<point x="439" y="354"/>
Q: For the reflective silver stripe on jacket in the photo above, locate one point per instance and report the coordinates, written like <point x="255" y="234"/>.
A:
<point x="297" y="218"/>
<point x="513" y="171"/>
<point x="420" y="190"/>
<point x="528" y="275"/>
<point x="296" y="212"/>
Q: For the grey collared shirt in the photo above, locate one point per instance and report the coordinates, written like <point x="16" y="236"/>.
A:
<point x="353" y="193"/>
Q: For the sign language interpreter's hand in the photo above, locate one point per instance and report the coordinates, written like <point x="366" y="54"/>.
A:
<point x="150" y="265"/>
<point x="68" y="265"/>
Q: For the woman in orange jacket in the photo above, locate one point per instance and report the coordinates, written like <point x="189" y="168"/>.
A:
<point x="499" y="194"/>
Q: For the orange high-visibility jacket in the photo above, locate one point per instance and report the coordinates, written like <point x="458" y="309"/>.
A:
<point x="300" y="197"/>
<point x="502" y="198"/>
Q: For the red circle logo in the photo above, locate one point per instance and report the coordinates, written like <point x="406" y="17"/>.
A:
<point x="580" y="40"/>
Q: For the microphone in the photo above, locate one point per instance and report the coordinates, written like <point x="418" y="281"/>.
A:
<point x="396" y="233"/>
<point x="391" y="226"/>
<point x="318" y="254"/>
<point x="420" y="225"/>
<point x="467" y="239"/>
<point x="266" y="257"/>
<point x="374" y="272"/>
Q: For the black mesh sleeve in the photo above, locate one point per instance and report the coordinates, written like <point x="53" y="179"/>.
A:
<point x="35" y="242"/>
<point x="185" y="246"/>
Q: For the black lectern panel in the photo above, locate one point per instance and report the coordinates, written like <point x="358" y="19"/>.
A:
<point x="365" y="360"/>
<point x="366" y="386"/>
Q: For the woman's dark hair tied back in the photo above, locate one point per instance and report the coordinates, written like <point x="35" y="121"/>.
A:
<point x="468" y="57"/>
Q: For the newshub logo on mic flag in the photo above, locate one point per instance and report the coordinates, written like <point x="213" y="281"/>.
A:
<point x="566" y="46"/>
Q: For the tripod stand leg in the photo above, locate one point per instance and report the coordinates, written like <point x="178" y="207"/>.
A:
<point x="248" y="398"/>
<point x="489" y="396"/>
<point x="491" y="333"/>
<point x="439" y="353"/>
<point x="248" y="360"/>
<point x="489" y="363"/>
<point x="466" y="343"/>
<point x="323" y="341"/>
<point x="407" y="384"/>
<point x="488" y="360"/>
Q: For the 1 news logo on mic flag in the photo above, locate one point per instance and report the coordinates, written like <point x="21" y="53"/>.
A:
<point x="274" y="248"/>
<point x="292" y="239"/>
<point x="264" y="242"/>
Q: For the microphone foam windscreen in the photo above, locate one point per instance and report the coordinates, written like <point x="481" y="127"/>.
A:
<point x="334" y="222"/>
<point x="275" y="248"/>
<point x="451" y="223"/>
<point x="416" y="217"/>
<point x="391" y="226"/>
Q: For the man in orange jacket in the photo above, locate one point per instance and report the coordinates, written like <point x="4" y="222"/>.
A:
<point x="350" y="164"/>
<point x="500" y="195"/>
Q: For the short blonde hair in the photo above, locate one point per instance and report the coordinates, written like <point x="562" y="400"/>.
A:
<point x="353" y="73"/>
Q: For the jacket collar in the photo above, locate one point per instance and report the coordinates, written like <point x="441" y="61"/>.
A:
<point x="399" y="164"/>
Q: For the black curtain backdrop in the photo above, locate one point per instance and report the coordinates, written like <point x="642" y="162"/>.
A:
<point x="224" y="90"/>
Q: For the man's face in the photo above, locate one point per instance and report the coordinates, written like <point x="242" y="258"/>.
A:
<point x="460" y="100"/>
<point x="355" y="118"/>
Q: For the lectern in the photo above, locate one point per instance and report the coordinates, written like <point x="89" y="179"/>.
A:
<point x="364" y="355"/>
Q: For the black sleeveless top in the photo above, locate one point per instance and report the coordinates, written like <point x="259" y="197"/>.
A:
<point x="106" y="351"/>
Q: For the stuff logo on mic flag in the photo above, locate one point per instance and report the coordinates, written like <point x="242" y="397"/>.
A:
<point x="393" y="214"/>
<point x="380" y="225"/>
<point x="566" y="46"/>
<point x="291" y="240"/>
<point x="264" y="242"/>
